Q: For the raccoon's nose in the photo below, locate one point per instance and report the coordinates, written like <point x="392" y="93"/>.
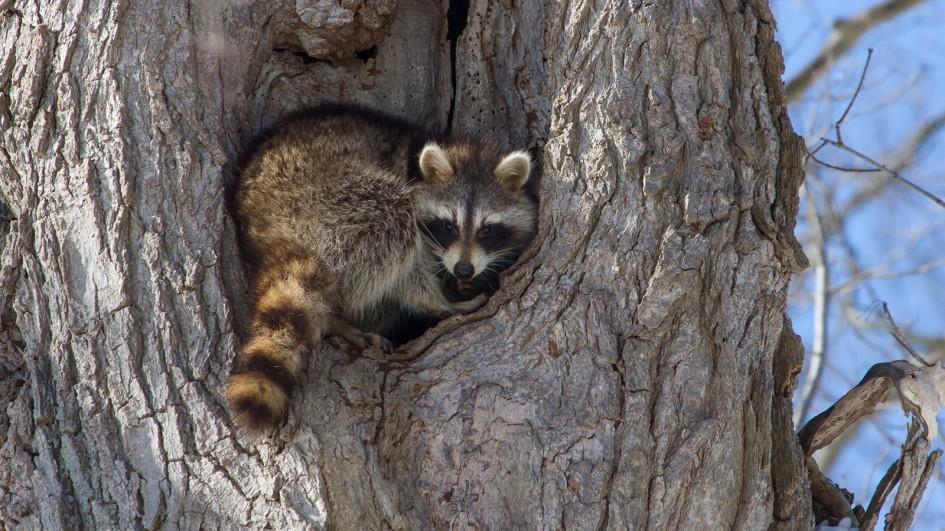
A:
<point x="463" y="270"/>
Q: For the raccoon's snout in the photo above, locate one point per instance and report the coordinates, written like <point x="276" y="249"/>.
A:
<point x="463" y="270"/>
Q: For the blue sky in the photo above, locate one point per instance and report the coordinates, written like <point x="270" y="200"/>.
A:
<point x="896" y="233"/>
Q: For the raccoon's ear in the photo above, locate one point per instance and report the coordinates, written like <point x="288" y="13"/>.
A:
<point x="434" y="166"/>
<point x="512" y="171"/>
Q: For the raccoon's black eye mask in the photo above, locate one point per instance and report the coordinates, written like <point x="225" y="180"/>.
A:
<point x="444" y="232"/>
<point x="494" y="237"/>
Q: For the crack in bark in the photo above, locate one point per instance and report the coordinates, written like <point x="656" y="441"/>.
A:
<point x="619" y="430"/>
<point x="456" y="20"/>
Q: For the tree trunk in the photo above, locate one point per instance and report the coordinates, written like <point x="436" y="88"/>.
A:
<point x="635" y="371"/>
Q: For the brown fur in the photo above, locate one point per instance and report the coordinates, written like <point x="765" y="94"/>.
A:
<point x="329" y="210"/>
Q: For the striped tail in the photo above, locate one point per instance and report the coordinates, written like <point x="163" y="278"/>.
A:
<point x="289" y="315"/>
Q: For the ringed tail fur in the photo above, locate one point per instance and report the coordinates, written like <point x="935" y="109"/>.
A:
<point x="288" y="316"/>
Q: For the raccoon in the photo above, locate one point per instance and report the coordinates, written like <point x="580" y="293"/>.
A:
<point x="354" y="222"/>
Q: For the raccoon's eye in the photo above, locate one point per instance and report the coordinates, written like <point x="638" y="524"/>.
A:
<point x="442" y="232"/>
<point x="494" y="236"/>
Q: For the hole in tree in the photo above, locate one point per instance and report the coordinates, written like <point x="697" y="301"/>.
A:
<point x="6" y="216"/>
<point x="306" y="58"/>
<point x="6" y="213"/>
<point x="369" y="53"/>
<point x="456" y="17"/>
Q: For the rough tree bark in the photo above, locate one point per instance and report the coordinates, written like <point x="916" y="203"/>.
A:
<point x="635" y="371"/>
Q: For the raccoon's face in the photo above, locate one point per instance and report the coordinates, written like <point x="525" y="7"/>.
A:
<point x="476" y="217"/>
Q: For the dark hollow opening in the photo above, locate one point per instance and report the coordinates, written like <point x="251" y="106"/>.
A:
<point x="369" y="53"/>
<point x="456" y="17"/>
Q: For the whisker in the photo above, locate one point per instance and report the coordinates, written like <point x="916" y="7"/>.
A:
<point x="434" y="245"/>
<point x="430" y="239"/>
<point x="504" y="254"/>
<point x="428" y="233"/>
<point x="500" y="263"/>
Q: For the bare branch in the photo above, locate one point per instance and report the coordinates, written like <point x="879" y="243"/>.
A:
<point x="821" y="300"/>
<point x="862" y="400"/>
<point x="902" y="160"/>
<point x="902" y="338"/>
<point x="921" y="398"/>
<point x="829" y="497"/>
<point x="917" y="466"/>
<point x="859" y="86"/>
<point x="878" y="167"/>
<point x="842" y="168"/>
<point x="886" y="485"/>
<point x="861" y="275"/>
<point x="845" y="35"/>
<point x="892" y="173"/>
<point x="935" y="345"/>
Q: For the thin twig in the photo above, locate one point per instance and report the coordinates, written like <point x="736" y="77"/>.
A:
<point x="892" y="173"/>
<point x="859" y="86"/>
<point x="901" y="338"/>
<point x="861" y="275"/>
<point x="878" y="166"/>
<point x="901" y="161"/>
<point x="812" y="152"/>
<point x="843" y="169"/>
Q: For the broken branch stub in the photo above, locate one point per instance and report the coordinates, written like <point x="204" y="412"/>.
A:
<point x="917" y="466"/>
<point x="922" y="393"/>
<point x="858" y="402"/>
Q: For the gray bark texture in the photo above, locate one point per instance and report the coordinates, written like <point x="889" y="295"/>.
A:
<point x="635" y="371"/>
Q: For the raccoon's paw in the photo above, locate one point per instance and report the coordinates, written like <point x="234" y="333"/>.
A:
<point x="362" y="341"/>
<point x="357" y="340"/>
<point x="376" y="341"/>
<point x="471" y="305"/>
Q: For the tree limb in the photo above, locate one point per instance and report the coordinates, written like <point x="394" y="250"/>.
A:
<point x="845" y="35"/>
<point x="902" y="160"/>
